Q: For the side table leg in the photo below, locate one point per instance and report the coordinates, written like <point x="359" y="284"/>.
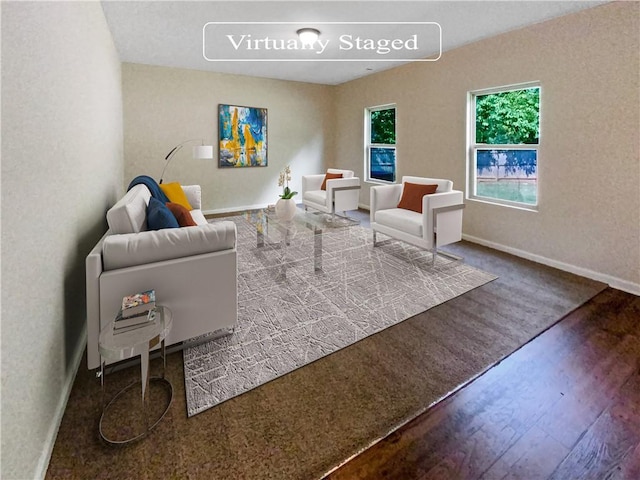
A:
<point x="144" y="365"/>
<point x="164" y="358"/>
<point x="102" y="365"/>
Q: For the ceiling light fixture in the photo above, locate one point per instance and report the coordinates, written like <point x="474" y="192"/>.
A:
<point x="308" y="36"/>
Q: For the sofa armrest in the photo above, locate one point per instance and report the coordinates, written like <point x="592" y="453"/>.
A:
<point x="449" y="223"/>
<point x="93" y="270"/>
<point x="311" y="183"/>
<point x="344" y="192"/>
<point x="127" y="250"/>
<point x="342" y="182"/>
<point x="194" y="195"/>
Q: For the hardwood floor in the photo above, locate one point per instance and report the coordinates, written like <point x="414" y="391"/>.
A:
<point x="564" y="406"/>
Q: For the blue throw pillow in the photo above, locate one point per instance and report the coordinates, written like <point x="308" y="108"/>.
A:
<point x="159" y="216"/>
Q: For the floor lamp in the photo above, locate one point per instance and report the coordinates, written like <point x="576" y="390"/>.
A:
<point x="201" y="151"/>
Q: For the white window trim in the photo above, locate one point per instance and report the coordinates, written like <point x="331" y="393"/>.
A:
<point x="472" y="147"/>
<point x="368" y="146"/>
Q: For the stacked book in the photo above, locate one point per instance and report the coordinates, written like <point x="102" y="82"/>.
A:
<point x="136" y="311"/>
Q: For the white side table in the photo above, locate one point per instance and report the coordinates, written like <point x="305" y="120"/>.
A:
<point x="140" y="341"/>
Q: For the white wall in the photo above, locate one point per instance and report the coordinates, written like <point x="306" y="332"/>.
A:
<point x="589" y="161"/>
<point x="165" y="106"/>
<point x="62" y="167"/>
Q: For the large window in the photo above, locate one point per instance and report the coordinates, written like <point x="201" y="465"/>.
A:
<point x="380" y="143"/>
<point x="503" y="145"/>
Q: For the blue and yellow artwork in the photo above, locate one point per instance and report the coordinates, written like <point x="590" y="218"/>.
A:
<point x="243" y="136"/>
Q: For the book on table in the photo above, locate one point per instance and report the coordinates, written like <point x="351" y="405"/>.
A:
<point x="138" y="303"/>
<point x="141" y="319"/>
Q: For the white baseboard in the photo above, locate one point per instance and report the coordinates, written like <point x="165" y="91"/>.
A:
<point x="613" y="282"/>
<point x="43" y="462"/>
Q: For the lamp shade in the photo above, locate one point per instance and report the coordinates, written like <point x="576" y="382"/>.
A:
<point x="203" y="151"/>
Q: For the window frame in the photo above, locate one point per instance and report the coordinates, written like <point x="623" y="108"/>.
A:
<point x="368" y="145"/>
<point x="473" y="147"/>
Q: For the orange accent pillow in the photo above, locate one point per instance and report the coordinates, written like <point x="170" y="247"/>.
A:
<point x="412" y="194"/>
<point x="329" y="176"/>
<point x="182" y="215"/>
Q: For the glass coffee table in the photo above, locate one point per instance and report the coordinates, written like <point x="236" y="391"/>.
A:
<point x="281" y="234"/>
<point x="115" y="346"/>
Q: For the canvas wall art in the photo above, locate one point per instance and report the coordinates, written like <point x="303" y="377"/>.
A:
<point x="243" y="136"/>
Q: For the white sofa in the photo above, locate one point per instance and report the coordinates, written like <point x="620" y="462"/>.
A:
<point x="439" y="224"/>
<point x="341" y="194"/>
<point x="192" y="269"/>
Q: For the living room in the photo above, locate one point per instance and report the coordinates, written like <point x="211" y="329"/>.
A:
<point x="79" y="124"/>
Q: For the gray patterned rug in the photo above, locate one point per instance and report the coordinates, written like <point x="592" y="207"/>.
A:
<point x="290" y="315"/>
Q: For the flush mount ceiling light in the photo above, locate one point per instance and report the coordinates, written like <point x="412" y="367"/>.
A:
<point x="308" y="36"/>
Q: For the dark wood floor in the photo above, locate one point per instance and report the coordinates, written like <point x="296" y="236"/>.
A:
<point x="564" y="406"/>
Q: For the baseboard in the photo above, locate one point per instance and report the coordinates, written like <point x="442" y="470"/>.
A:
<point x="43" y="462"/>
<point x="613" y="282"/>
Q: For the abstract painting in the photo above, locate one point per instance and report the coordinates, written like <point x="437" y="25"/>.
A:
<point x="243" y="136"/>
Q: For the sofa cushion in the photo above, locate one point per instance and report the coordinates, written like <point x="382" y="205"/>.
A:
<point x="412" y="194"/>
<point x="182" y="215"/>
<point x="406" y="221"/>
<point x="329" y="176"/>
<point x="316" y="196"/>
<point x="159" y="216"/>
<point x="129" y="214"/>
<point x="175" y="194"/>
<point x="120" y="251"/>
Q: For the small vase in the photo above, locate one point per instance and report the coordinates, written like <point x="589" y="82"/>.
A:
<point x="286" y="209"/>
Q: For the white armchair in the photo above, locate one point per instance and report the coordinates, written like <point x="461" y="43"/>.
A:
<point x="440" y="222"/>
<point x="341" y="194"/>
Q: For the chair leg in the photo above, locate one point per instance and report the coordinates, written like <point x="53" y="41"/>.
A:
<point x="451" y="256"/>
<point x="374" y="238"/>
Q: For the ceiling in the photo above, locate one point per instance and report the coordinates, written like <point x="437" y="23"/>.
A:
<point x="178" y="33"/>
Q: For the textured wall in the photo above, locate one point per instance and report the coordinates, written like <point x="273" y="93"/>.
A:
<point x="62" y="167"/>
<point x="589" y="161"/>
<point x="165" y="106"/>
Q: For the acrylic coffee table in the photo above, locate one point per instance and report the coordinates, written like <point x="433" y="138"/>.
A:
<point x="271" y="229"/>
<point x="116" y="346"/>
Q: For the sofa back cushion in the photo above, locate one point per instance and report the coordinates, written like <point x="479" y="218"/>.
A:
<point x="129" y="214"/>
<point x="345" y="173"/>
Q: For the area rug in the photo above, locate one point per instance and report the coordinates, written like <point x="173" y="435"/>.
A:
<point x="290" y="315"/>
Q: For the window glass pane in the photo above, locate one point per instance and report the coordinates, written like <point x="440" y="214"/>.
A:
<point x="383" y="164"/>
<point x="383" y="126"/>
<point x="508" y="117"/>
<point x="510" y="175"/>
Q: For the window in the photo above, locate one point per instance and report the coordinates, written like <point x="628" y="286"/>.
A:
<point x="503" y="145"/>
<point x="380" y="143"/>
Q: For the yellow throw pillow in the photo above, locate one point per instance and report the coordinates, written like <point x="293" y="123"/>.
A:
<point x="175" y="194"/>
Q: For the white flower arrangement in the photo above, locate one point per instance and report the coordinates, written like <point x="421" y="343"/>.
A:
<point x="283" y="181"/>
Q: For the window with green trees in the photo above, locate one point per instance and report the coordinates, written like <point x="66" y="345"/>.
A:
<point x="503" y="150"/>
<point x="380" y="136"/>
